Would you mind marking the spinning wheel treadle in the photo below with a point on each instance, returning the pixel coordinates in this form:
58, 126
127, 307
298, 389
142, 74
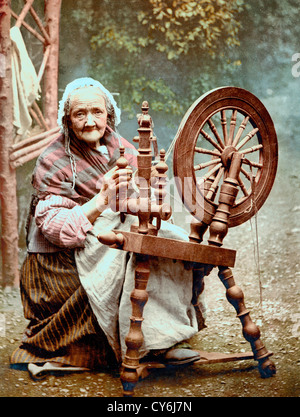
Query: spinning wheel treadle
219, 123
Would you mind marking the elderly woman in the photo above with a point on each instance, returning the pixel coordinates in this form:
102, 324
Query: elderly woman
75, 291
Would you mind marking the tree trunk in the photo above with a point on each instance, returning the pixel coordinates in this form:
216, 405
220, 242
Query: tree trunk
52, 17
8, 185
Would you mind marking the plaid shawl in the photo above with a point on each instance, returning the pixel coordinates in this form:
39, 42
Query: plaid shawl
53, 173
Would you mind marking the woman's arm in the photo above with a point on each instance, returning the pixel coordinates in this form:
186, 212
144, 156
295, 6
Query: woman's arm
65, 224
62, 221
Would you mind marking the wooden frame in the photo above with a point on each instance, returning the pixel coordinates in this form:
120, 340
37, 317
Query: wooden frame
14, 155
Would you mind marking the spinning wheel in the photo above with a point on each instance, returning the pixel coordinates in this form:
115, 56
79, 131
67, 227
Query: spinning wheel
225, 161
219, 123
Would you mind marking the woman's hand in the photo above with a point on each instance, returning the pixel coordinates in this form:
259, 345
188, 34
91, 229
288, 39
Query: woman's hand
115, 184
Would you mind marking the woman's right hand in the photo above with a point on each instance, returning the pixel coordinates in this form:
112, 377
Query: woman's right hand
114, 182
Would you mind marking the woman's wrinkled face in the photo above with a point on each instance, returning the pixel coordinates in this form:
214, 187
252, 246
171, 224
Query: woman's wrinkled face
88, 115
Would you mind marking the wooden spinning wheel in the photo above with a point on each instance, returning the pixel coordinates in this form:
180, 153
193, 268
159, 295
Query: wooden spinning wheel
225, 161
219, 123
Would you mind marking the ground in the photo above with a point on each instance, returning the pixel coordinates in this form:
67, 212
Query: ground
269, 278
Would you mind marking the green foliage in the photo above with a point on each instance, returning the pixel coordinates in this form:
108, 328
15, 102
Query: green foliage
162, 97
177, 27
157, 50
170, 52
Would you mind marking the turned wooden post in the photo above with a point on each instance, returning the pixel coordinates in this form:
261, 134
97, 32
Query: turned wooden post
234, 294
251, 331
144, 160
153, 139
228, 192
197, 231
139, 296
122, 163
160, 186
161, 168
135, 338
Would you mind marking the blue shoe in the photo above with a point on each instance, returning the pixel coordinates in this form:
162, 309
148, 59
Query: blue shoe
179, 356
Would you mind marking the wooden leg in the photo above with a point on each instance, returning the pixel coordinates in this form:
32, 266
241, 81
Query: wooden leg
199, 272
251, 331
135, 338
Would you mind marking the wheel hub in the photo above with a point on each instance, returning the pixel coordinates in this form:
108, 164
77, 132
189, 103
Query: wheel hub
227, 155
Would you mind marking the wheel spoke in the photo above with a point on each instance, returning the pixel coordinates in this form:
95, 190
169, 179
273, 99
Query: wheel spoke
247, 174
207, 164
252, 149
232, 126
253, 164
224, 126
242, 185
214, 185
210, 173
210, 140
207, 151
240, 131
247, 138
216, 133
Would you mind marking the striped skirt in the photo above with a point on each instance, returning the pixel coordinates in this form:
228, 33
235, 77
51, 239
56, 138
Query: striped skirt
62, 327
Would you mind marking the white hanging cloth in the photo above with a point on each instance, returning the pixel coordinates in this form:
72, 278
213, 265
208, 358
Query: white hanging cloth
25, 84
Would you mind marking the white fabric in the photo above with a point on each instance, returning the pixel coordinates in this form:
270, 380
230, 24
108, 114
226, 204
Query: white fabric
107, 276
25, 85
103, 149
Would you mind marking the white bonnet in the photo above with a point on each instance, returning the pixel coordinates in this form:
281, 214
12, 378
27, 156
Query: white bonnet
85, 82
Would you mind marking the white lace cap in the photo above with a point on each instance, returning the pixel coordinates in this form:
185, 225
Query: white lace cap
85, 82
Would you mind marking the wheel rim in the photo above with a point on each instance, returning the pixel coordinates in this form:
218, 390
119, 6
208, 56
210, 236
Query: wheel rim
222, 121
